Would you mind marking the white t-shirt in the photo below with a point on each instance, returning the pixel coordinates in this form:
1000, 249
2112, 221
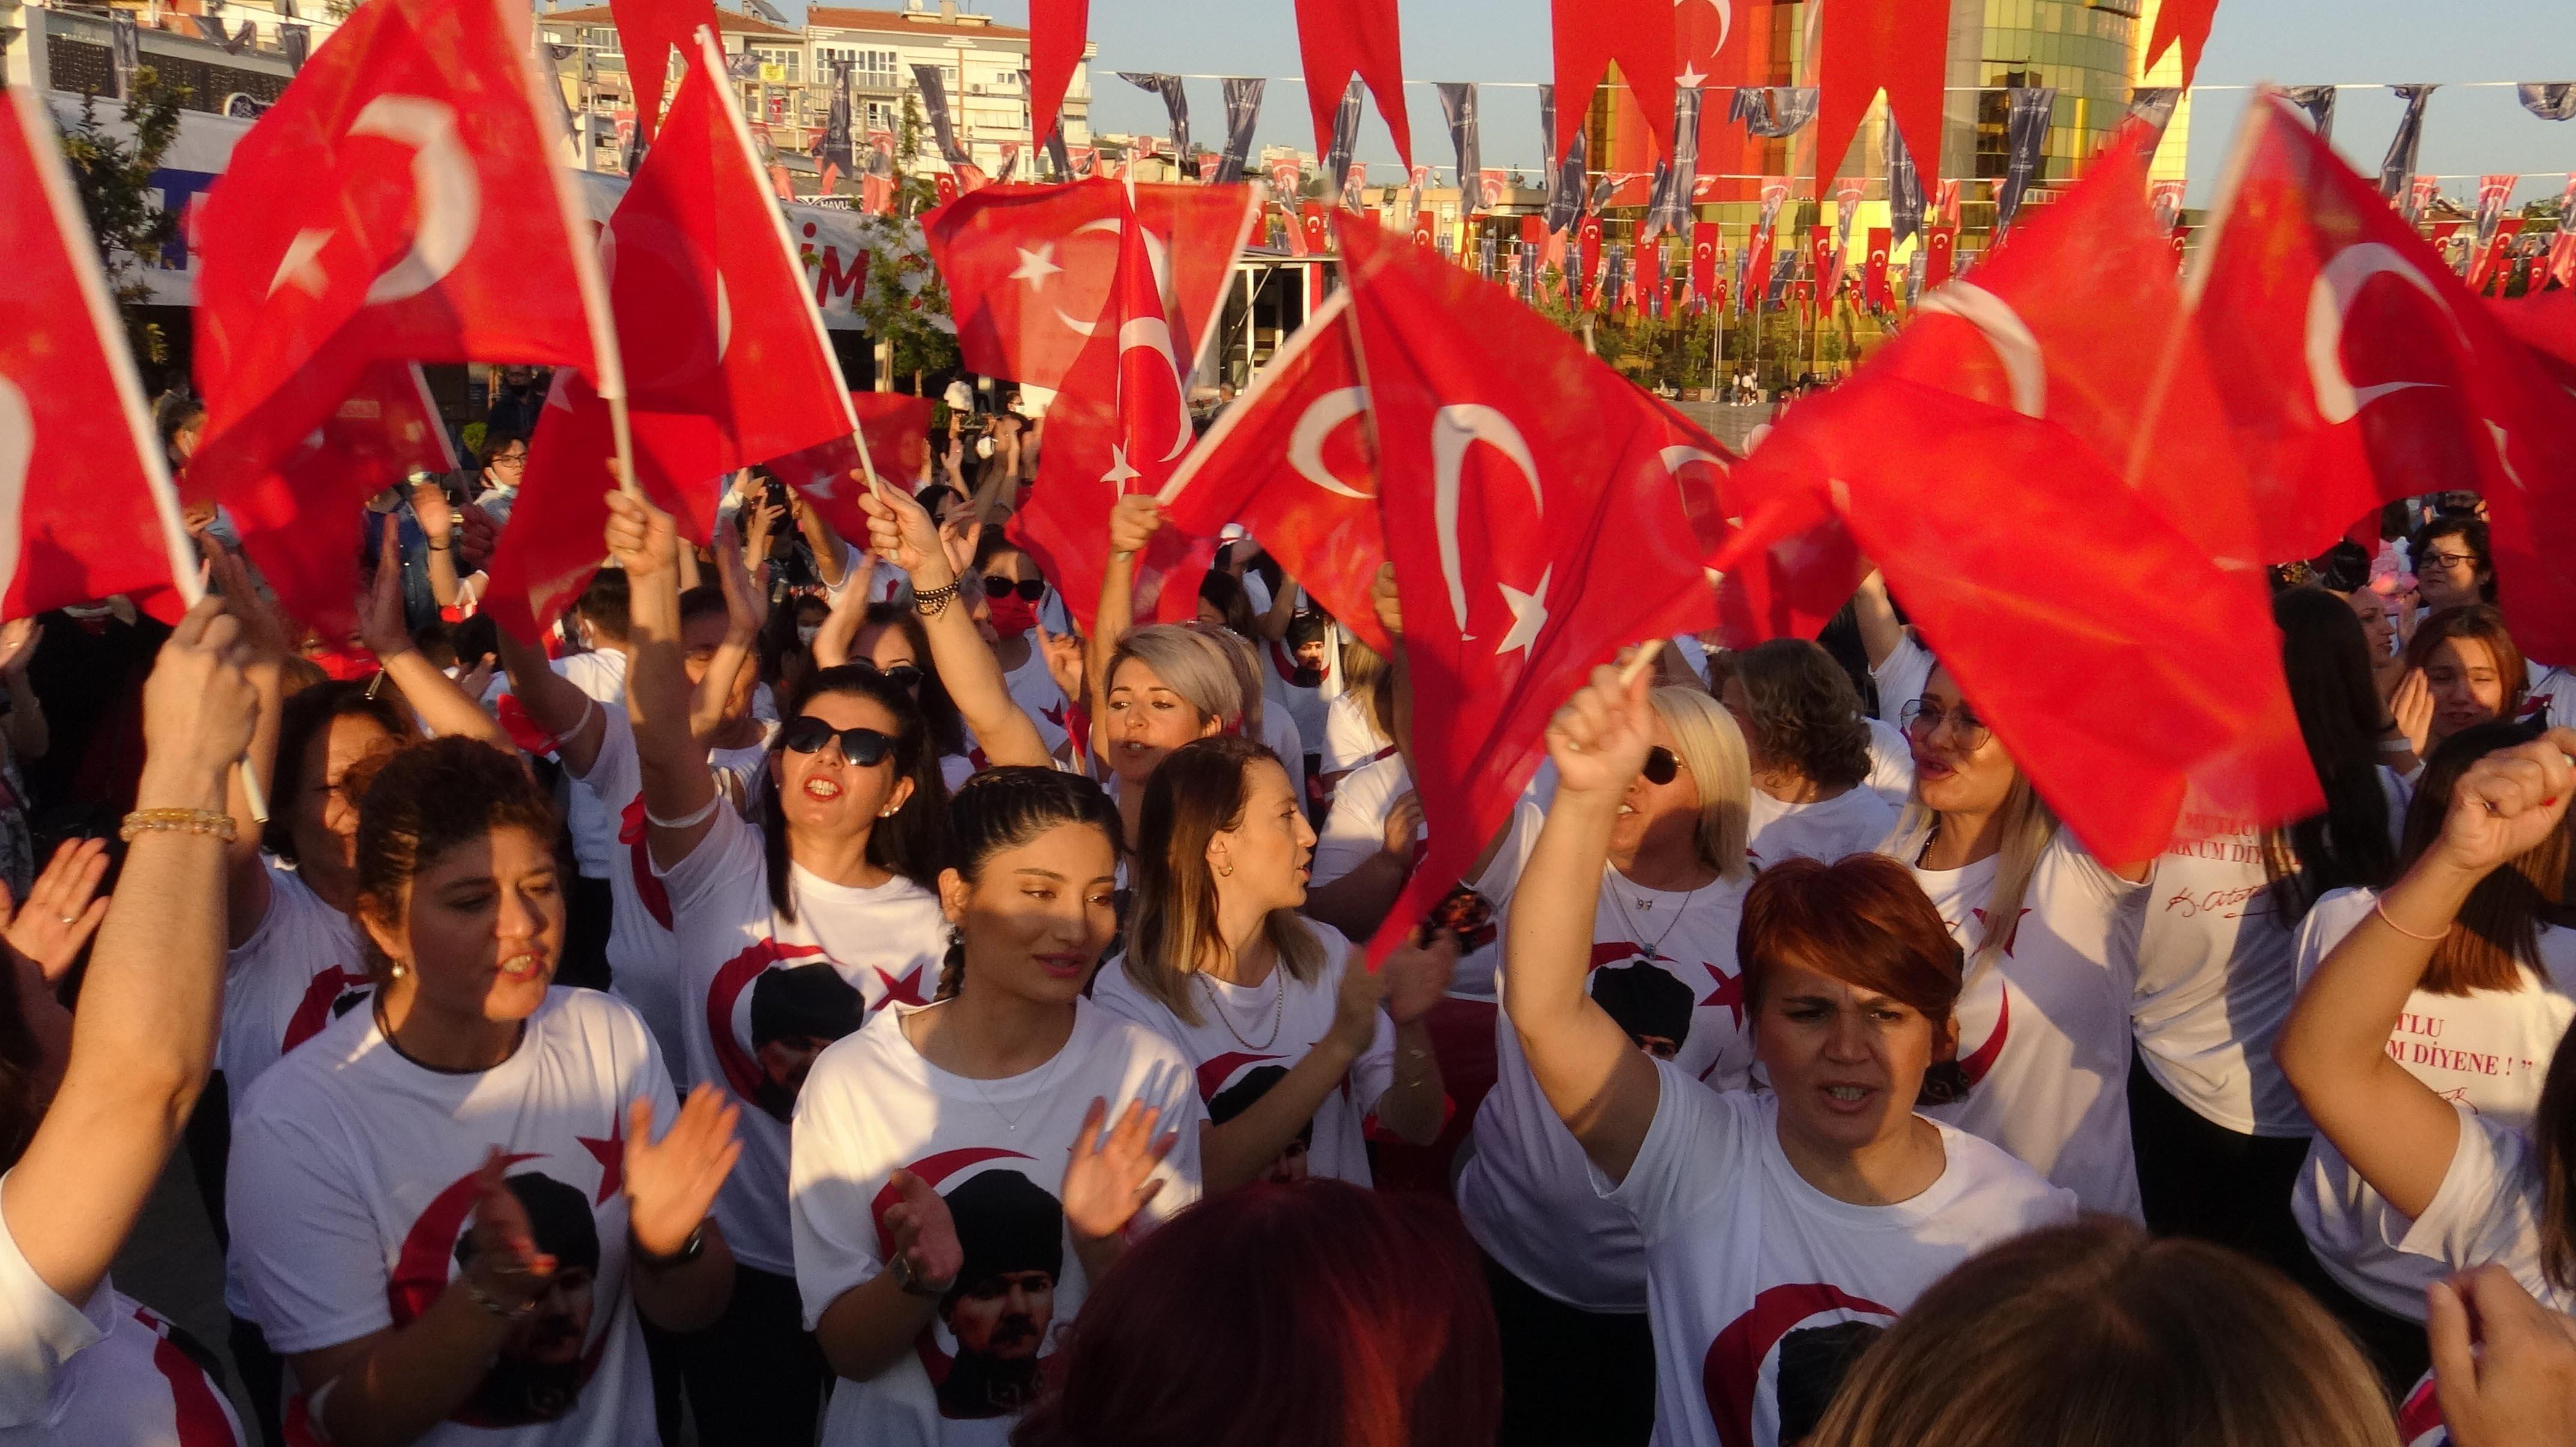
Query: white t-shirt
1855, 821
1035, 691
1891, 763
1279, 735
1350, 735
1302, 703
299, 971
2487, 1212
1901, 677
602, 675
1356, 829
757, 1012
113, 1373
1244, 1032
1744, 1260
643, 962
996, 1149
1527, 1193
2551, 697
2487, 1052
352, 1185
2044, 1026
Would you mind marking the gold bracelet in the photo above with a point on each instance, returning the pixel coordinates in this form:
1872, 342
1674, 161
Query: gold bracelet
177, 821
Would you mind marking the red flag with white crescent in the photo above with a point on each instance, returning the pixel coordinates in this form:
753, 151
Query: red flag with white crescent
826, 475
2361, 370
1032, 270
1588, 254
400, 202
1940, 246
1291, 461
1543, 532
1703, 272
1339, 38
80, 464
1315, 223
1873, 281
649, 32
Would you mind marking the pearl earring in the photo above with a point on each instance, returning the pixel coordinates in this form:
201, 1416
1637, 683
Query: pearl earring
397, 970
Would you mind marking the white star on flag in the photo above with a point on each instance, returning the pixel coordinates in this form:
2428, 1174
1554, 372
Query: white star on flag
1690, 77
1529, 615
1119, 473
1036, 266
300, 267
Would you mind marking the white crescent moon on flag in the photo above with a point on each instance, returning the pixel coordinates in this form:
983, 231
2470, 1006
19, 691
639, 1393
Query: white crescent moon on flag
724, 319
1454, 429
2004, 330
451, 201
1306, 440
17, 454
2328, 299
1156, 256
1151, 334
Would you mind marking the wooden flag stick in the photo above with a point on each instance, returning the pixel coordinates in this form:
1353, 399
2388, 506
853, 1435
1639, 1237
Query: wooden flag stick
1639, 661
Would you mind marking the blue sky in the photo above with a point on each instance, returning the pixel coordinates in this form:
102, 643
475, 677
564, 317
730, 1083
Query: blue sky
2291, 41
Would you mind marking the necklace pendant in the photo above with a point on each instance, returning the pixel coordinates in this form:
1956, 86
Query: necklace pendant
1645, 904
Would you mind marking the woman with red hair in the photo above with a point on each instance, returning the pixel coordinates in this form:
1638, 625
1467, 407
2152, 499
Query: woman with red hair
1784, 1230
1374, 1328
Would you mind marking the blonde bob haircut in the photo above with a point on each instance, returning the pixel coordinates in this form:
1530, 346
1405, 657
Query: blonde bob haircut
1187, 663
1247, 669
2095, 1335
1712, 748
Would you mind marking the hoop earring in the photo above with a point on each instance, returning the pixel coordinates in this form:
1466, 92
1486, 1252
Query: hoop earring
1225, 871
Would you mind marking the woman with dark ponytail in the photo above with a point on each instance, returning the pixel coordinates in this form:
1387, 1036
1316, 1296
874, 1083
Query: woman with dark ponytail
954, 1193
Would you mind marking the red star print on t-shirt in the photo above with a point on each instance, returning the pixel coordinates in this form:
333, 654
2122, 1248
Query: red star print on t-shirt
611, 1155
2009, 940
1729, 992
904, 991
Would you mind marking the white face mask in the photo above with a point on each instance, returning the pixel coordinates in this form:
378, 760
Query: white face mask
805, 631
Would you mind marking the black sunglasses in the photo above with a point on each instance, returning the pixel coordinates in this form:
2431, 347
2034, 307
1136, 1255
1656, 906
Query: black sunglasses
807, 734
903, 675
997, 586
1662, 765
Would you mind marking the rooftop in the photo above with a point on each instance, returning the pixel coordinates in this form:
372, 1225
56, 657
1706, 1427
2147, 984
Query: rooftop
728, 22
910, 22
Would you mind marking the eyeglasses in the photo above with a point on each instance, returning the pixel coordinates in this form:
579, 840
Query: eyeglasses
2452, 560
997, 586
904, 676
511, 459
1662, 765
806, 734
1923, 718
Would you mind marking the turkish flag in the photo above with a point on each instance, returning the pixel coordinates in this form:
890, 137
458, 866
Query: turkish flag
1058, 31
1589, 35
2361, 370
1588, 256
1032, 269
1703, 272
1770, 582
2129, 384
1120, 425
944, 185
400, 202
86, 507
1291, 461
1757, 268
304, 525
2491, 256
2184, 21
1873, 280
897, 429
1939, 246
1864, 45
2535, 275
1315, 223
1542, 532
1336, 38
726, 359
1425, 230
648, 31
1820, 252
1710, 46
2546, 327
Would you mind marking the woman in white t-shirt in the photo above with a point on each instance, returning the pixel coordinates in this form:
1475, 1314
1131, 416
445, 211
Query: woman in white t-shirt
2493, 1003
1780, 1230
1158, 688
443, 1205
2475, 1190
90, 1106
1810, 754
1273, 728
1294, 1039
954, 1194
2462, 669
2219, 1135
2041, 1066
792, 925
1567, 1264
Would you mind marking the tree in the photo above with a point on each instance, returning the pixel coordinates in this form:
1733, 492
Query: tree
114, 179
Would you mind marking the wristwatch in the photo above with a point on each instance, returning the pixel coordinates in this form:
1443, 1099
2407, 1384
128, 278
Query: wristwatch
690, 1250
910, 1280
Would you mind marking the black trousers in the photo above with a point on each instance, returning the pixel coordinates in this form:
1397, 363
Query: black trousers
588, 912
1570, 1375
756, 1377
263, 1375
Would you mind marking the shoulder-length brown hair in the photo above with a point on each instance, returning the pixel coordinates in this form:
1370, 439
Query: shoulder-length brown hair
2497, 934
2484, 623
2094, 1333
1197, 793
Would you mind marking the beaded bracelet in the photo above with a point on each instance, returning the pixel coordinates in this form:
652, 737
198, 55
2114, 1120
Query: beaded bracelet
177, 821
931, 602
486, 1301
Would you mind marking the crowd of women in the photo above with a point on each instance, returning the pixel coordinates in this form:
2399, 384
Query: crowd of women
819, 997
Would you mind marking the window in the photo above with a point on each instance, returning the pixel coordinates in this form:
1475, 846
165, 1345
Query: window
870, 69
787, 60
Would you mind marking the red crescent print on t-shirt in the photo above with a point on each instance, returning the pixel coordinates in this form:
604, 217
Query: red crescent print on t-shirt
648, 885
421, 1270
954, 1168
743, 1073
932, 1170
2419, 1418
198, 1414
1217, 1072
1734, 1368
1613, 952
1976, 1063
321, 1004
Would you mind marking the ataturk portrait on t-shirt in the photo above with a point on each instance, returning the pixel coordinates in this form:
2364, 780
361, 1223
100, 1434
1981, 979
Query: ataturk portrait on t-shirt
1648, 1003
1001, 1311
796, 1013
542, 1364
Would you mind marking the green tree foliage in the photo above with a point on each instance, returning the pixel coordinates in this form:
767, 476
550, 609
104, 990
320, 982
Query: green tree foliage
113, 175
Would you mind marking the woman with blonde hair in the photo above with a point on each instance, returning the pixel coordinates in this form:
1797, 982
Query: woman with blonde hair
1273, 727
2093, 1333
1668, 905
1272, 1008
1810, 753
1162, 686
2041, 1064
